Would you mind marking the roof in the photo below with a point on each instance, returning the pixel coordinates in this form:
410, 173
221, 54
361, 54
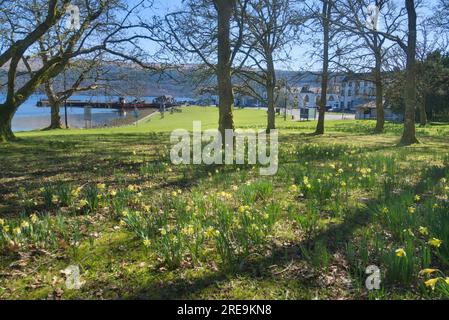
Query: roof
358, 76
368, 105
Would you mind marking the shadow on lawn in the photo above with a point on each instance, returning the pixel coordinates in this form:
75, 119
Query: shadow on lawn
335, 238
33, 162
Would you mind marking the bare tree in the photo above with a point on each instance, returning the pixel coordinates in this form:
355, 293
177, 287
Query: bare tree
325, 20
272, 27
441, 16
83, 71
96, 17
409, 135
210, 32
224, 64
407, 41
14, 53
50, 45
368, 49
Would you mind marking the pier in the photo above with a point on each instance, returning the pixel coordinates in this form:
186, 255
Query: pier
121, 104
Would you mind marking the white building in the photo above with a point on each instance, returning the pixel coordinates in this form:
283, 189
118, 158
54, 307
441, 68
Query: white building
368, 111
356, 91
310, 98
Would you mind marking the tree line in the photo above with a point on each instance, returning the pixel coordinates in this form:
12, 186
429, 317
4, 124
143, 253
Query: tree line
399, 45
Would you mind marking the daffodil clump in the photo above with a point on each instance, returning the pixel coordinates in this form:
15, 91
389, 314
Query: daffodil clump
36, 231
435, 281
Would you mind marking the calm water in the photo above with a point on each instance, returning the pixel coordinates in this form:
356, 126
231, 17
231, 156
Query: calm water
29, 117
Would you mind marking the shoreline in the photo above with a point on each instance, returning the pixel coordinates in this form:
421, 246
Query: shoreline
76, 121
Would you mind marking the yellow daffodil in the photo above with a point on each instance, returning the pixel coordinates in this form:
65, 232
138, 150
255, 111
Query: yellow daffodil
385, 210
122, 223
188, 231
147, 242
83, 203
417, 198
17, 231
435, 242
2, 222
34, 218
431, 283
411, 210
163, 231
424, 231
210, 232
293, 188
446, 280
400, 253
113, 193
125, 213
75, 192
174, 194
428, 271
101, 186
25, 224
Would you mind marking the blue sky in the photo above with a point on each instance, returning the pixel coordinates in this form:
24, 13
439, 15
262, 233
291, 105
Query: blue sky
299, 54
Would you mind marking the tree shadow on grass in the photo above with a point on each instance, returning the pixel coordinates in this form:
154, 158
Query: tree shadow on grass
335, 237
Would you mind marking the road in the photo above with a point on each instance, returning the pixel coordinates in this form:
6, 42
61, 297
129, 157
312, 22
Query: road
329, 115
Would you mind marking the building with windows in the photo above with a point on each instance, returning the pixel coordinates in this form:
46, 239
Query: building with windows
345, 92
356, 91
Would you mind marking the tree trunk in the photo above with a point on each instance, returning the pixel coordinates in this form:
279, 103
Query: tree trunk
55, 105
409, 135
6, 115
271, 123
380, 115
380, 112
270, 85
423, 112
325, 76
224, 68
55, 116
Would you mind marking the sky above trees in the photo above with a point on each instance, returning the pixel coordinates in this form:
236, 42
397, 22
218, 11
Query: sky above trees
300, 53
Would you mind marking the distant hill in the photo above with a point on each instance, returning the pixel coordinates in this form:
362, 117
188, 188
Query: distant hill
131, 80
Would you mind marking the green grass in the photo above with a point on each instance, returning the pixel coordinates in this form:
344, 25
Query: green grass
339, 203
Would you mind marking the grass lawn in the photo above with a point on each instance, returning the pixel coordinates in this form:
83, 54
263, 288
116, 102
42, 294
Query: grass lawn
110, 202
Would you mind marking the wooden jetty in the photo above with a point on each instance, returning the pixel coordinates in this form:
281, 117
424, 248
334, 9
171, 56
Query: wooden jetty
121, 104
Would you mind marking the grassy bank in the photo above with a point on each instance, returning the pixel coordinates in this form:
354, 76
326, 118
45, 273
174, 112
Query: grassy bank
109, 201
